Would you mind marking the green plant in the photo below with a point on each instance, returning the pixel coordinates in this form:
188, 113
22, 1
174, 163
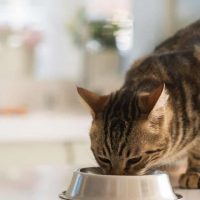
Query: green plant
104, 32
82, 30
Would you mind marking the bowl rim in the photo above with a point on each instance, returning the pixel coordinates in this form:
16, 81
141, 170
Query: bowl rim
160, 173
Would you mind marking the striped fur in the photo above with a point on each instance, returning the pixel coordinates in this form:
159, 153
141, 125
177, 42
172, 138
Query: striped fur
155, 116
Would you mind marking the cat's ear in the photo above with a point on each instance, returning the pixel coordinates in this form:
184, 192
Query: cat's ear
154, 100
94, 102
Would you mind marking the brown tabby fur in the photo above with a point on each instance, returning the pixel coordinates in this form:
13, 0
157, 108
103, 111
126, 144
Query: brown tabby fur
155, 116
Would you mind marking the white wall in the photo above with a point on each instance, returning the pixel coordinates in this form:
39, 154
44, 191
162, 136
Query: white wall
156, 20
186, 12
151, 25
57, 56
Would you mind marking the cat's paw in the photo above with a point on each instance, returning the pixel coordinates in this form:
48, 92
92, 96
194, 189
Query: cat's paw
190, 180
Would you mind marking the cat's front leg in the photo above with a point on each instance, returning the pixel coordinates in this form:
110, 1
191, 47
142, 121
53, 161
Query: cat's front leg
191, 179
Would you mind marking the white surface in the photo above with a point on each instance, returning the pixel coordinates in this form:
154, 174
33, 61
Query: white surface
189, 194
45, 139
44, 127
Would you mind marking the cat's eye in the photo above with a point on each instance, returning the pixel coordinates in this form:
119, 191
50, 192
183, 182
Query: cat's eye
133, 161
153, 151
104, 160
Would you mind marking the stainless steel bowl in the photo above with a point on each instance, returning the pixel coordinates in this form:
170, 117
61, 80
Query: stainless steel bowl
90, 184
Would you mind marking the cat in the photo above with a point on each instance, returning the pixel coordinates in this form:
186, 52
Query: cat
155, 116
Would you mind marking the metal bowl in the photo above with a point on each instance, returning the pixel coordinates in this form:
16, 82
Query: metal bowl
90, 184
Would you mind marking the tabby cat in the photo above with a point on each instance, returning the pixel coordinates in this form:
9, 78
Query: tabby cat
155, 116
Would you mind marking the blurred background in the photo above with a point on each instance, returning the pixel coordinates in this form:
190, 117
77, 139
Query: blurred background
47, 47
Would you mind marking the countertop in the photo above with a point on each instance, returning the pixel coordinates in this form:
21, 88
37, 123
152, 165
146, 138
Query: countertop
189, 194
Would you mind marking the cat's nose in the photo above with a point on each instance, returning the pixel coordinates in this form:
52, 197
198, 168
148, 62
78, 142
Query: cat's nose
117, 171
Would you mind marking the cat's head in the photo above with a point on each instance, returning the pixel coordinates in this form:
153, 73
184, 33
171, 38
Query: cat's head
129, 133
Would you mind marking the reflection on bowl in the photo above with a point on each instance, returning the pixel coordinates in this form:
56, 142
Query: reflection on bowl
92, 170
91, 184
